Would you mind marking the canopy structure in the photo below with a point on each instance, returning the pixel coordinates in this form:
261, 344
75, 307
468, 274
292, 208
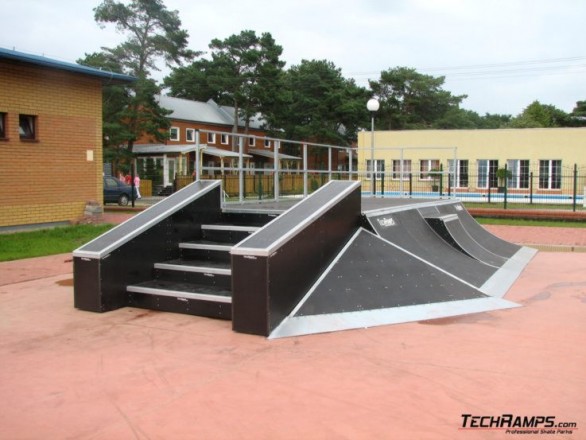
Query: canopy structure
270, 154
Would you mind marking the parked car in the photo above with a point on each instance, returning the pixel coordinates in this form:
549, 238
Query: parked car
116, 191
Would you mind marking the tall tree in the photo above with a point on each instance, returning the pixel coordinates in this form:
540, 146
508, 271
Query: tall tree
316, 102
411, 100
458, 118
578, 115
242, 72
537, 115
154, 33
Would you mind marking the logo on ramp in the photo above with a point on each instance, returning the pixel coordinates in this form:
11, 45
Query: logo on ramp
386, 222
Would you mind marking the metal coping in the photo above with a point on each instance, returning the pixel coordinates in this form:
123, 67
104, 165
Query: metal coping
123, 233
416, 205
443, 217
265, 241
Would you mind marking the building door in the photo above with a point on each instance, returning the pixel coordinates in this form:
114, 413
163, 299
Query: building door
170, 174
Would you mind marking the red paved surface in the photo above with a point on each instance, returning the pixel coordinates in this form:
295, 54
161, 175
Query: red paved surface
540, 235
138, 374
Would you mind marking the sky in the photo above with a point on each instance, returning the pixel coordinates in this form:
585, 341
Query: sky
502, 54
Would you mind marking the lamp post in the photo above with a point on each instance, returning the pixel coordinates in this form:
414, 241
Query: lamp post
372, 105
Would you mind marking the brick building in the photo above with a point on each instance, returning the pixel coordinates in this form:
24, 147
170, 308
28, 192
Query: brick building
50, 138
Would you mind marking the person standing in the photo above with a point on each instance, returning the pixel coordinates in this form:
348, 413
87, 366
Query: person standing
137, 186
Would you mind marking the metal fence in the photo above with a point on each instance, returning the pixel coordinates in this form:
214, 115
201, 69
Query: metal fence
284, 168
544, 187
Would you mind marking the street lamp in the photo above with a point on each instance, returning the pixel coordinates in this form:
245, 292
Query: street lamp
372, 105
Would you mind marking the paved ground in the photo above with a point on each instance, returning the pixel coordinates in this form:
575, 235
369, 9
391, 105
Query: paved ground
138, 374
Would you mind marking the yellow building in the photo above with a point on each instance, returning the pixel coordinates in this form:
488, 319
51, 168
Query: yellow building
538, 161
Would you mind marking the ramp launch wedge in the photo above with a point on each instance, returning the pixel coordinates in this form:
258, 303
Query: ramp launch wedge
375, 282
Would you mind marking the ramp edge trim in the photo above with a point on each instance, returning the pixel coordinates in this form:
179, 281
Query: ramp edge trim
502, 280
416, 205
267, 251
80, 252
307, 325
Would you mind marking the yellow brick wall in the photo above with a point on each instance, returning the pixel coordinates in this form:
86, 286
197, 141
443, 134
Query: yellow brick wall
49, 179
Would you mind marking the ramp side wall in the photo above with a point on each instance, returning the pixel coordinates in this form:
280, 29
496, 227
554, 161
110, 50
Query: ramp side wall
100, 282
266, 288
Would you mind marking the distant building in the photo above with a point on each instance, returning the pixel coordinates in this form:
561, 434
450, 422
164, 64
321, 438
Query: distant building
50, 138
176, 156
214, 125
536, 158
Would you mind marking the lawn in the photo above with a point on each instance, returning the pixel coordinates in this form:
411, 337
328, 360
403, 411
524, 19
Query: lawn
66, 239
47, 241
526, 222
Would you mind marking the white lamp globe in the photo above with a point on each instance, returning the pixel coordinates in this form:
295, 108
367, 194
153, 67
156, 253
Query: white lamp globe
372, 105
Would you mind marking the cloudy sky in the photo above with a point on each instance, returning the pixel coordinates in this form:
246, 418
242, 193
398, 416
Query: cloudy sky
503, 54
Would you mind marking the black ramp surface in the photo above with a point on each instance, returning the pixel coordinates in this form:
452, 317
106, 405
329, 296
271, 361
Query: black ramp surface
374, 274
471, 246
488, 241
409, 230
449, 228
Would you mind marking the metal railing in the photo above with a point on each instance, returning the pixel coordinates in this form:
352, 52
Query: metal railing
286, 168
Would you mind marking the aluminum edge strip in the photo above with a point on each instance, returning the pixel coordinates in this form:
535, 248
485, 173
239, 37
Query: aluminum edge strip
502, 280
390, 210
267, 251
178, 294
306, 325
196, 269
108, 249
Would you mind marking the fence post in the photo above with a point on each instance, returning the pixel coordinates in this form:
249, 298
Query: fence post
575, 187
531, 188
441, 182
241, 190
410, 184
489, 192
305, 188
506, 186
382, 184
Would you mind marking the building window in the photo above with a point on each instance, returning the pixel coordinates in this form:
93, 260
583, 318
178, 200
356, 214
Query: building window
2, 125
519, 173
174, 134
225, 139
251, 142
190, 135
27, 125
397, 172
427, 165
251, 168
211, 138
379, 165
487, 173
267, 143
550, 174
459, 174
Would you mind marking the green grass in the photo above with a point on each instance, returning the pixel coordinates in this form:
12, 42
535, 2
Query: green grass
526, 222
48, 241
526, 206
66, 239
